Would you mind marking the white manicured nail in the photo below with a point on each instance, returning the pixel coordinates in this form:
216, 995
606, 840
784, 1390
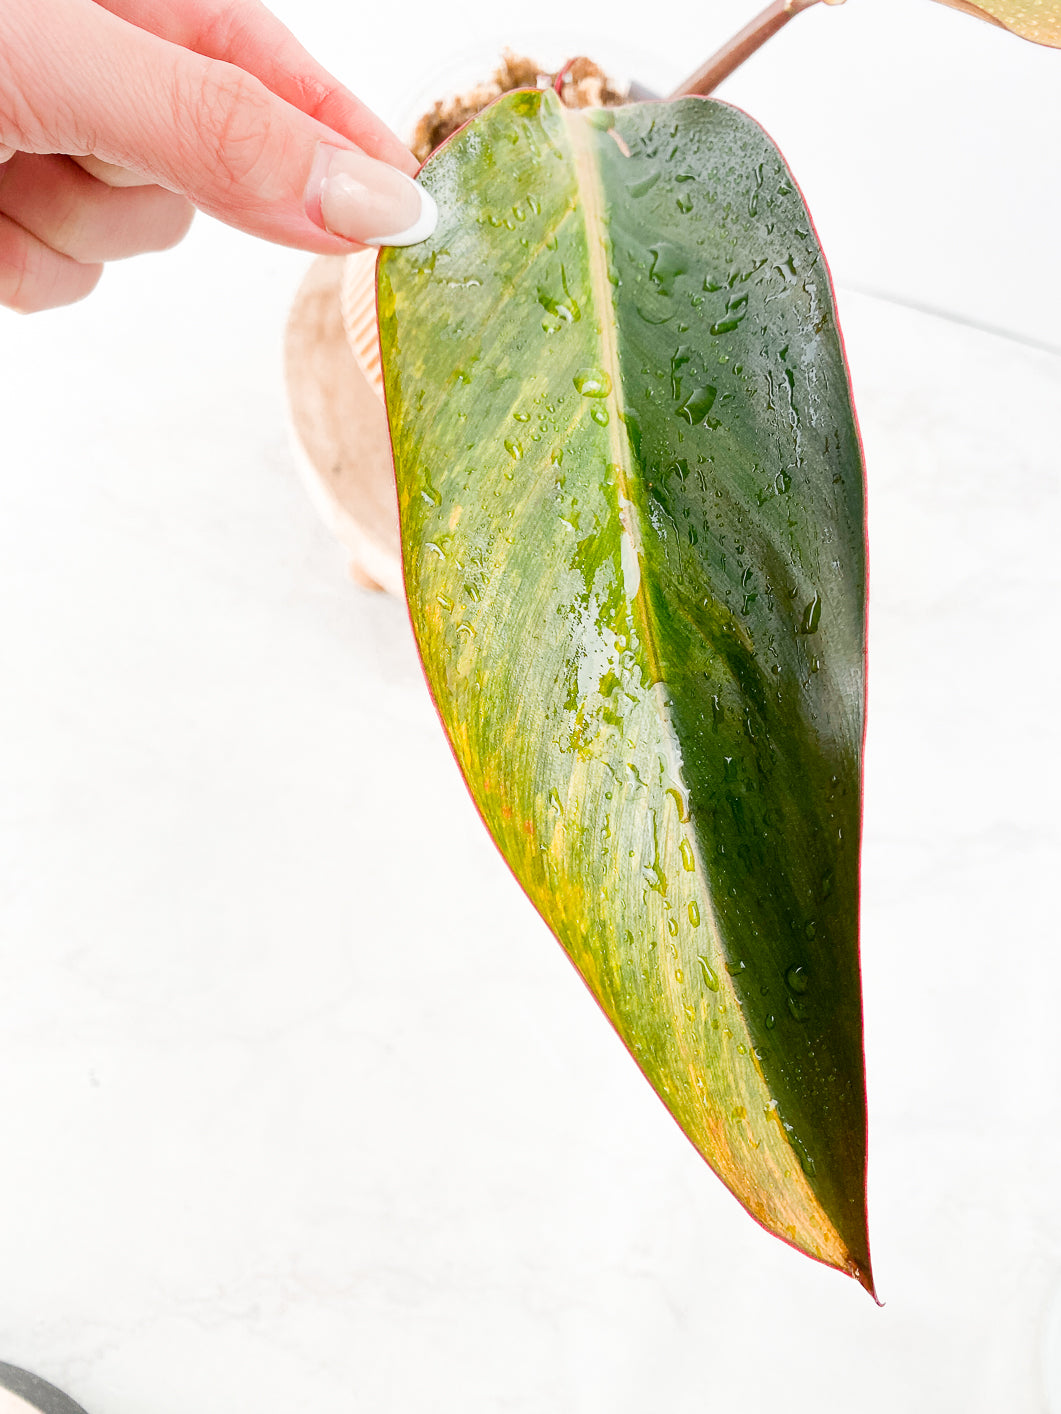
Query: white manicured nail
356, 197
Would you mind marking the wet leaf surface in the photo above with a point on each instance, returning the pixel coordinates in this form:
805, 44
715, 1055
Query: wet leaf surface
632, 518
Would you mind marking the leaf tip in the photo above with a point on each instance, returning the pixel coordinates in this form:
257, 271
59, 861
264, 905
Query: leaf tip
864, 1277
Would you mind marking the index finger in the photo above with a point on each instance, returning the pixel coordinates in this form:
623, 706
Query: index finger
245, 33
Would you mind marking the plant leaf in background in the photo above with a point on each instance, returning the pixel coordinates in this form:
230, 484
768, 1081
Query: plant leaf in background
632, 520
1037, 20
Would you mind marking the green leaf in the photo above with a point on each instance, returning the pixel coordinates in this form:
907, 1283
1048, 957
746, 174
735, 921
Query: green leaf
1037, 20
631, 500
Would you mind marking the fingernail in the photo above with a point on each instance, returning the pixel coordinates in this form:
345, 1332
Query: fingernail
6, 153
363, 200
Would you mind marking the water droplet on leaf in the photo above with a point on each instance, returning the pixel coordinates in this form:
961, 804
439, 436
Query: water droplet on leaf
797, 979
812, 615
711, 981
593, 382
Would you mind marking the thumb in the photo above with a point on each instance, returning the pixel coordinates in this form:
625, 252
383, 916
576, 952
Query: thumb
211, 131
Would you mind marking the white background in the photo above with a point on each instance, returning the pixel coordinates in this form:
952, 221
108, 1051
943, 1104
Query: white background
301, 1107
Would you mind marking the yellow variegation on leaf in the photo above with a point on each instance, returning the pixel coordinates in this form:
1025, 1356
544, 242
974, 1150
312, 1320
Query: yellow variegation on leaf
1037, 20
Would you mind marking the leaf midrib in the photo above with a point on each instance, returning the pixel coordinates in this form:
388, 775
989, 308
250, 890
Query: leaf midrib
592, 205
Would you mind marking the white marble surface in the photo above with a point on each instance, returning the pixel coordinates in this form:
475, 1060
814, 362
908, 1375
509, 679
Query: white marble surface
301, 1106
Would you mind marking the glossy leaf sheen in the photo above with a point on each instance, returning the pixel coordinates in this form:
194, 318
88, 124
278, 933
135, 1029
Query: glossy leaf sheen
631, 498
1037, 20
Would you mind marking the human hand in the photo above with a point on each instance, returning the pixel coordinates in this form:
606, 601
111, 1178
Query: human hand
118, 118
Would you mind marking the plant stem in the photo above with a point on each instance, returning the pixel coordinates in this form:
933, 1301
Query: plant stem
742, 46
